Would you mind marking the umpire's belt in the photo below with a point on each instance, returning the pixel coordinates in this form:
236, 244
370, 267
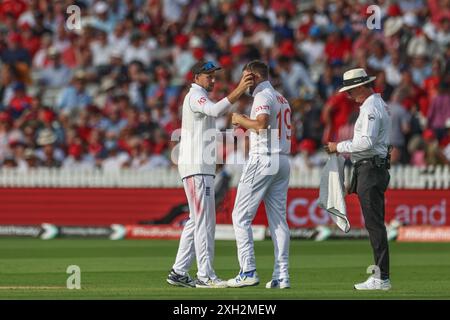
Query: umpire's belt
376, 161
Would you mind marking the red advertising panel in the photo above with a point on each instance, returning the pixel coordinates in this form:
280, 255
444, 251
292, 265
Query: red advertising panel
415, 207
95, 206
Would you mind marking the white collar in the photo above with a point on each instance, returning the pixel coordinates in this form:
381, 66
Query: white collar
260, 87
369, 98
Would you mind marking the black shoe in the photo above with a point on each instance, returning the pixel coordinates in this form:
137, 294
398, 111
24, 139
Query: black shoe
179, 280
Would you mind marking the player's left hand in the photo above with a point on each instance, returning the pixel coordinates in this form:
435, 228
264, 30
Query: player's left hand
331, 147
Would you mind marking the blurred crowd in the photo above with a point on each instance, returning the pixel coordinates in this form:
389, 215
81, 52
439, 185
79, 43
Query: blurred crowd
109, 94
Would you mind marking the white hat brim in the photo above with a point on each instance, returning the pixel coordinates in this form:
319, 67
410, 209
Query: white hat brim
356, 85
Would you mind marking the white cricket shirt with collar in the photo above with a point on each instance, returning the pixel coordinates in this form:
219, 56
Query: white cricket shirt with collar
269, 101
198, 127
372, 131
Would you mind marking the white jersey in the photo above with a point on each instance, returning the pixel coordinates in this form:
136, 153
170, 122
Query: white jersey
372, 131
198, 131
277, 139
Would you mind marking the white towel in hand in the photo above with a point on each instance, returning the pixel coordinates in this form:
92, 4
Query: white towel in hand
331, 196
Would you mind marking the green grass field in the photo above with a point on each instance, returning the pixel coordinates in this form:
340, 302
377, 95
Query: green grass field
137, 270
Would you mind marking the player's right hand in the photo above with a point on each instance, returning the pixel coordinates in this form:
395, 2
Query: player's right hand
247, 81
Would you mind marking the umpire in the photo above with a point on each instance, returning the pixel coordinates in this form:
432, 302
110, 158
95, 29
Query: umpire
369, 151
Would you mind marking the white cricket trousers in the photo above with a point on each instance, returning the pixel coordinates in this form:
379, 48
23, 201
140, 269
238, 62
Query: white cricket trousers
259, 183
197, 238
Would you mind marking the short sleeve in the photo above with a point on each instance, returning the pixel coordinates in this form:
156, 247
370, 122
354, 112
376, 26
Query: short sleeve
261, 105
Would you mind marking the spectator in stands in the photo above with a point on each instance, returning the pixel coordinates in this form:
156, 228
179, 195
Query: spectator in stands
431, 84
433, 153
282, 28
117, 70
101, 51
77, 159
378, 60
55, 74
401, 120
137, 157
137, 84
116, 159
30, 41
40, 26
74, 97
9, 162
183, 58
382, 87
20, 101
312, 48
335, 114
163, 50
305, 149
420, 69
293, 77
30, 161
445, 141
173, 10
146, 125
337, 47
5, 127
392, 33
120, 37
48, 154
18, 153
40, 59
137, 50
15, 53
439, 111
103, 20
328, 82
95, 145
163, 89
392, 69
156, 158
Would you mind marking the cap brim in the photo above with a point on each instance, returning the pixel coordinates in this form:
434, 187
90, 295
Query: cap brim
343, 89
212, 70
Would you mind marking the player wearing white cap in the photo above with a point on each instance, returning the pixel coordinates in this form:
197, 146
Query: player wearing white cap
197, 167
265, 177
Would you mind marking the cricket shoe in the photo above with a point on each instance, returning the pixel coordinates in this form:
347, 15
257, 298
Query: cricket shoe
374, 284
244, 279
278, 284
180, 280
210, 283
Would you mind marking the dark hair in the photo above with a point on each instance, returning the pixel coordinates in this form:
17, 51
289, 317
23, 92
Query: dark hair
259, 67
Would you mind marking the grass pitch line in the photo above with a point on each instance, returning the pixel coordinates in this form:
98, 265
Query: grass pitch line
30, 288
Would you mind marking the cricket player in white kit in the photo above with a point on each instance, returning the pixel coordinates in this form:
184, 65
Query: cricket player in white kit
197, 168
265, 177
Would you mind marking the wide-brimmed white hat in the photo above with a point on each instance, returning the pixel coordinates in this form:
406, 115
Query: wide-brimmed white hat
46, 137
355, 78
392, 26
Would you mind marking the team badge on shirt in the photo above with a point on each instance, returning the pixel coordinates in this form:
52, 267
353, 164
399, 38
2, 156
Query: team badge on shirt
202, 100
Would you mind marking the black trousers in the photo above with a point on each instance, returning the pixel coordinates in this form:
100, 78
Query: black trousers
370, 183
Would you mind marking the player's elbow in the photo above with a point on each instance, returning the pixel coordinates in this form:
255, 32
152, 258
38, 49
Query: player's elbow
261, 124
261, 127
366, 143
